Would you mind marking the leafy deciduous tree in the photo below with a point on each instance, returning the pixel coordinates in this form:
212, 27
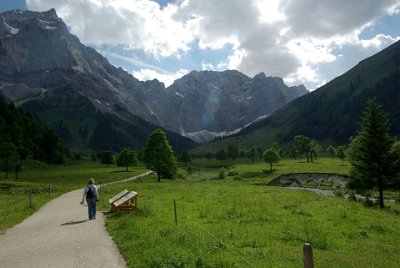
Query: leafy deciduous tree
294, 151
260, 153
159, 156
331, 150
107, 158
302, 143
9, 157
341, 152
278, 148
314, 149
252, 154
185, 157
126, 158
271, 156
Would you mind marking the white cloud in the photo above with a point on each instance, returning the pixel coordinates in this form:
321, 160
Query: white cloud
166, 78
236, 59
135, 24
270, 11
132, 60
299, 40
207, 66
327, 18
287, 38
311, 51
379, 41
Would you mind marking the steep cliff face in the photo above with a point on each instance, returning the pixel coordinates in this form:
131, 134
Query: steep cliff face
70, 87
39, 58
221, 102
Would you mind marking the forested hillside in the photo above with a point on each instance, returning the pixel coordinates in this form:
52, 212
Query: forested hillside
28, 137
85, 128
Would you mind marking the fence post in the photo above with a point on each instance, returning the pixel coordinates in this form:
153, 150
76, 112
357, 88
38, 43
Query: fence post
176, 217
30, 196
308, 256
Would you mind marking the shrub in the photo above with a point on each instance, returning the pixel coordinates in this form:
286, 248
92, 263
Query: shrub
222, 173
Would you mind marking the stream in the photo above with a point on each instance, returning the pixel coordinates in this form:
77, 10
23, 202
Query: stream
331, 193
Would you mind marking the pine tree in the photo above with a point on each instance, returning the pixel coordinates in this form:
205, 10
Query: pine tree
370, 152
159, 156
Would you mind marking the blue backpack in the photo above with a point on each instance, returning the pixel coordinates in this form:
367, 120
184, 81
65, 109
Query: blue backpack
89, 193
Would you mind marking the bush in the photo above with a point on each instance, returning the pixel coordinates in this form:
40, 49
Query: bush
189, 170
222, 174
232, 173
368, 202
352, 197
339, 193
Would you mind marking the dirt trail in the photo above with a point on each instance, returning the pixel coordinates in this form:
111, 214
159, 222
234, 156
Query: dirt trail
60, 235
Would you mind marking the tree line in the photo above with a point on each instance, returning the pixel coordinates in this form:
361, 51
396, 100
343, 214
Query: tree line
21, 137
374, 155
157, 155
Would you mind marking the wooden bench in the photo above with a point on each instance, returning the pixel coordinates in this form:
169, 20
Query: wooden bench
124, 201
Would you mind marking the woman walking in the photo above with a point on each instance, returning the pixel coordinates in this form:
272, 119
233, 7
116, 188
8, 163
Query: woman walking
91, 195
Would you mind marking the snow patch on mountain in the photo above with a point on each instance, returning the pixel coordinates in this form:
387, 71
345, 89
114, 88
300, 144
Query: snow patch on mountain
12, 30
205, 136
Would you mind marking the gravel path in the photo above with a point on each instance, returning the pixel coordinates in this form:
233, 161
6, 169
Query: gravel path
60, 235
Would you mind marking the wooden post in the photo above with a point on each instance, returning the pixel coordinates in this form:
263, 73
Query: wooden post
30, 196
176, 217
308, 256
49, 190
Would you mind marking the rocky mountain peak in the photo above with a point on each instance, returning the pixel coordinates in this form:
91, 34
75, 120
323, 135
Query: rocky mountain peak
260, 76
38, 57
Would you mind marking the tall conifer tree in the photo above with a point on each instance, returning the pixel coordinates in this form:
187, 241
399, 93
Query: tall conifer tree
370, 152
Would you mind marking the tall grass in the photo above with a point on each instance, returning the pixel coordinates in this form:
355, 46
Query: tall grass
234, 223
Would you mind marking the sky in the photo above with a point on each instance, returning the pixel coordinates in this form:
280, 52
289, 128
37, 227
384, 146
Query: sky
306, 42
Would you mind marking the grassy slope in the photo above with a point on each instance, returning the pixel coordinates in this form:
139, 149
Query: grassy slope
14, 196
235, 223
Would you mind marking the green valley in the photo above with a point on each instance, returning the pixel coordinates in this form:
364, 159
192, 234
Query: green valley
222, 222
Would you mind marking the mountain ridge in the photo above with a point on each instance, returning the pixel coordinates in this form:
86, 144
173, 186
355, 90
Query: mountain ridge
331, 113
38, 57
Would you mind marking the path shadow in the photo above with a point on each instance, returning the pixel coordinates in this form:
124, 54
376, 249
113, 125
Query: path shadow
73, 222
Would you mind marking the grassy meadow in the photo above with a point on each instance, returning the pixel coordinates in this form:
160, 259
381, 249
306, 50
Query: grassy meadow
235, 222
40, 178
231, 222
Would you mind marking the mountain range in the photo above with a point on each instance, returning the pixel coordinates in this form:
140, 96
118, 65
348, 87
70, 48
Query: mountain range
91, 104
331, 114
